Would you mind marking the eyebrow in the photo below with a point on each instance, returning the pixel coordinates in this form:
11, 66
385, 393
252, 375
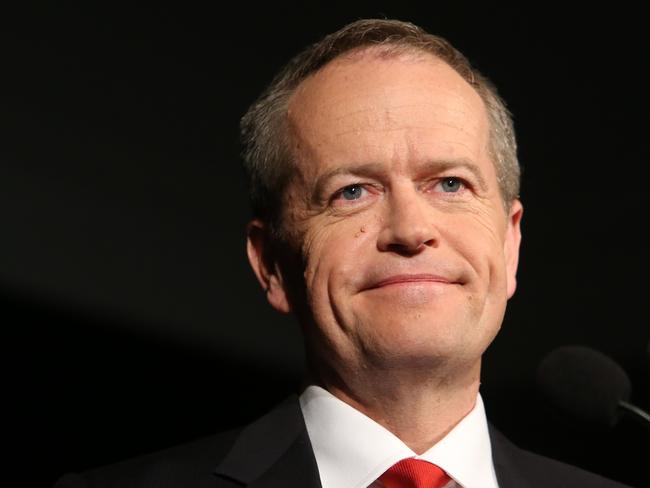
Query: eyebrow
374, 169
366, 169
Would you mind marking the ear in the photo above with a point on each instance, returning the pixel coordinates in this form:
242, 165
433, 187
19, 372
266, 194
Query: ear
511, 245
262, 258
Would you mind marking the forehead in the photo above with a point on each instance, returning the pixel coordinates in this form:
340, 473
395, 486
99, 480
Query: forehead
368, 108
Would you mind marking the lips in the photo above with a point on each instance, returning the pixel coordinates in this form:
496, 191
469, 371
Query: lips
410, 278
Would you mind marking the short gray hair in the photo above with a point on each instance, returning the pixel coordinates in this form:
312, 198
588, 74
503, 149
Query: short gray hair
264, 131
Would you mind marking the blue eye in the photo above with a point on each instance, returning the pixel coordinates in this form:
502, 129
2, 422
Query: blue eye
352, 192
451, 184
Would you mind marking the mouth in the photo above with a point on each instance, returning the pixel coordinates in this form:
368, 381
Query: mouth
405, 279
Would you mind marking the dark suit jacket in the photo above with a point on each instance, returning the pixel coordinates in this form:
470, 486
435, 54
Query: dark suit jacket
275, 452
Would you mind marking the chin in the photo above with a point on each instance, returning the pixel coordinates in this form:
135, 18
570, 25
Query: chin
406, 358
438, 339
432, 324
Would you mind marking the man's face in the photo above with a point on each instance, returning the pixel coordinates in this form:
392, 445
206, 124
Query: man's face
408, 255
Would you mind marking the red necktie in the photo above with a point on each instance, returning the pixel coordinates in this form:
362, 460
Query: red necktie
414, 473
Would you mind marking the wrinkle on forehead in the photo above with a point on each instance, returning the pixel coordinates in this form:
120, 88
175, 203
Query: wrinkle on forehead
387, 105
381, 109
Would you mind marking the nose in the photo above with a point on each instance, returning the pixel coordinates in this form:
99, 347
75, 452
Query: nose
409, 227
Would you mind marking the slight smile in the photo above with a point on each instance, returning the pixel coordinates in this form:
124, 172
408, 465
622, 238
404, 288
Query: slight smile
411, 278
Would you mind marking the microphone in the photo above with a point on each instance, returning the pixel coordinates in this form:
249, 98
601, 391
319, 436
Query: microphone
588, 385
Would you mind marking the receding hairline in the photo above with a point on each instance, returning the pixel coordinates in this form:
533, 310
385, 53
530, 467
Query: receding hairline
389, 49
384, 51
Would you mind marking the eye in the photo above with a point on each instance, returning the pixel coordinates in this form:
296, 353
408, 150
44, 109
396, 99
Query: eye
350, 192
451, 184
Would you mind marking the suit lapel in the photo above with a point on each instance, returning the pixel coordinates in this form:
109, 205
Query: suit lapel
274, 451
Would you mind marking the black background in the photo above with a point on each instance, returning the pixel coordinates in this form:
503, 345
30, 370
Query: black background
131, 319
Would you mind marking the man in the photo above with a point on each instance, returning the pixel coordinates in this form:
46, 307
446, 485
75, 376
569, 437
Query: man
384, 181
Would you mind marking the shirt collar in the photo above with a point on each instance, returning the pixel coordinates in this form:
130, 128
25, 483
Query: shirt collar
352, 450
465, 453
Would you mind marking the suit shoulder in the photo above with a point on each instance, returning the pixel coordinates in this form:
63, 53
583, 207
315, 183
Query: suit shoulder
566, 475
190, 464
516, 465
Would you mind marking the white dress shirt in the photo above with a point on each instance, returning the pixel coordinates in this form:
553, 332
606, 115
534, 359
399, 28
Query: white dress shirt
352, 450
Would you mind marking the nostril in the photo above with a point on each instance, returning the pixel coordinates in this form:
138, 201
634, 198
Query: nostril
407, 249
430, 243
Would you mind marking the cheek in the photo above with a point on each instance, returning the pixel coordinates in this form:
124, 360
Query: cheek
334, 255
478, 237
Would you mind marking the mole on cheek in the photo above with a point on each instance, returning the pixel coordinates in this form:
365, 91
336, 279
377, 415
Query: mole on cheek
361, 231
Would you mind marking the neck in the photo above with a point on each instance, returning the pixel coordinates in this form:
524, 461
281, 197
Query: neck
419, 408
